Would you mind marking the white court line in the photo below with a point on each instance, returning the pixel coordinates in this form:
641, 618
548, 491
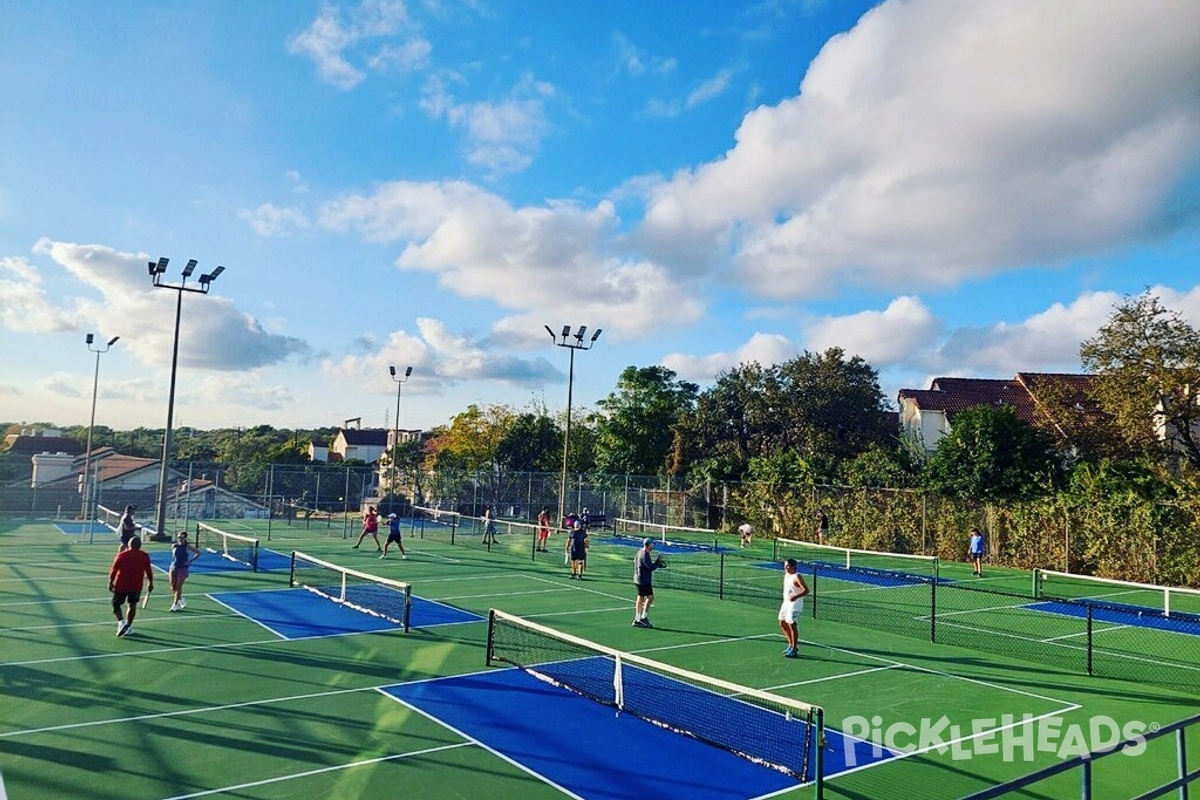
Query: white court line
105, 598
1008, 607
837, 677
1084, 633
265, 627
322, 770
185, 712
143, 616
1082, 648
508, 594
478, 743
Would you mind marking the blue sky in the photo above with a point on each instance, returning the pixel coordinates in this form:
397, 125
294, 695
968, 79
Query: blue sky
944, 188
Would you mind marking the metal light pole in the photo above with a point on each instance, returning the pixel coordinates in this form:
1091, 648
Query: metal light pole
87, 456
396, 428
156, 272
577, 344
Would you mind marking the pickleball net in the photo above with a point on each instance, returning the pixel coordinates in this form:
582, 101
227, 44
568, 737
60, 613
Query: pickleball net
765, 728
233, 546
902, 568
370, 594
1169, 600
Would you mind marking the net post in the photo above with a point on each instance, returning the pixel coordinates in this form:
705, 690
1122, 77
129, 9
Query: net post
292, 571
254, 557
721, 576
1034, 591
491, 637
819, 754
933, 606
407, 608
775, 549
1167, 602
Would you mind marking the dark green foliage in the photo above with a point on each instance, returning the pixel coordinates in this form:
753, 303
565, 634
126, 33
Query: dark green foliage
990, 454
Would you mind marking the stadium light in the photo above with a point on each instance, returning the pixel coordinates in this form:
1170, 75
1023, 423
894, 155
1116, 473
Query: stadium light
87, 456
577, 344
156, 270
396, 429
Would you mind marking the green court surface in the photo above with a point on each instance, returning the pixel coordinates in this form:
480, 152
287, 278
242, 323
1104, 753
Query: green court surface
209, 703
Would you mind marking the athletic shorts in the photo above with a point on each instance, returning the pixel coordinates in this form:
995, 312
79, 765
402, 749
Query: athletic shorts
179, 572
394, 537
645, 589
790, 609
120, 598
578, 555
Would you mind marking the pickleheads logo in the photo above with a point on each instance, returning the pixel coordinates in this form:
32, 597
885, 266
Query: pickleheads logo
1009, 737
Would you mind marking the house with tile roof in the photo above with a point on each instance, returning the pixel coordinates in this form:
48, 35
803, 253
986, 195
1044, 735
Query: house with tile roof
927, 415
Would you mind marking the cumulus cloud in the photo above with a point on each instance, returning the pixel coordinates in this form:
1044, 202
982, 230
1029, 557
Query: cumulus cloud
938, 141
891, 336
536, 257
328, 38
121, 301
763, 348
24, 304
441, 359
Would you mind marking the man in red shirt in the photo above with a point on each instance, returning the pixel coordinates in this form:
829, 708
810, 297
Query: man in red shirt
125, 582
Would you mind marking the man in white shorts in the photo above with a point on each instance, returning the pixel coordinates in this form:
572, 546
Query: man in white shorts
794, 589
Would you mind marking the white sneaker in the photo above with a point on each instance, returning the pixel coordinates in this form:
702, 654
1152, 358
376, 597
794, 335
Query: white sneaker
182, 602
174, 607
381, 558
403, 557
123, 628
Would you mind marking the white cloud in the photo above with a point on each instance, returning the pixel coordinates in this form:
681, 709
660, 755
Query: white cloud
271, 220
763, 348
24, 304
708, 90
885, 337
937, 141
501, 137
117, 299
327, 39
440, 359
542, 257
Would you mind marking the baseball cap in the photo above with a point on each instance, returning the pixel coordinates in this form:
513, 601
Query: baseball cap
391, 516
645, 542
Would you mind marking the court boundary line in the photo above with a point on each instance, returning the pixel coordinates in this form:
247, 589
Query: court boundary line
477, 743
1083, 648
320, 771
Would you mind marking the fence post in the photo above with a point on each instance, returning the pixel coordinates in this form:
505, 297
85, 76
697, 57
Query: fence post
1089, 638
933, 607
813, 591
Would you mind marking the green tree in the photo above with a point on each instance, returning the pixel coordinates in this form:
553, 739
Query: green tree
826, 407
1146, 361
532, 443
635, 428
990, 454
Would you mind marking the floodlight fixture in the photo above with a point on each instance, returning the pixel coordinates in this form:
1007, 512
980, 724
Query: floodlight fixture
396, 428
156, 272
88, 488
577, 344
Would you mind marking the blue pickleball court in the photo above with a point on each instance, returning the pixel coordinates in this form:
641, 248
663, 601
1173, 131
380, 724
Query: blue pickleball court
589, 750
301, 614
